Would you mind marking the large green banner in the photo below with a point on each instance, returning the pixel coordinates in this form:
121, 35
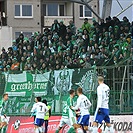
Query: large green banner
53, 86
24, 84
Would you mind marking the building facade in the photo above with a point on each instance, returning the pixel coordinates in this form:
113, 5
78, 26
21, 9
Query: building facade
28, 16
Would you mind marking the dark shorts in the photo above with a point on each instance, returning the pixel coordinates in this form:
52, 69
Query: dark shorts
83, 120
102, 116
39, 122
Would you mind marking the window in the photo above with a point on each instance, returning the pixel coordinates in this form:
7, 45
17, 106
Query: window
61, 10
53, 9
17, 10
26, 34
85, 12
23, 11
26, 10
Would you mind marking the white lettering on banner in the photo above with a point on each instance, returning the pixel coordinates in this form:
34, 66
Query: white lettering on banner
52, 127
26, 130
28, 86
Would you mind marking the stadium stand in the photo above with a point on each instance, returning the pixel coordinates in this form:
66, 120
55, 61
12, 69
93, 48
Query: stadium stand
101, 44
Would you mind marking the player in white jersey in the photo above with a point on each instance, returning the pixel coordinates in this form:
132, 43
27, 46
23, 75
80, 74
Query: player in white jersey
102, 111
83, 104
40, 109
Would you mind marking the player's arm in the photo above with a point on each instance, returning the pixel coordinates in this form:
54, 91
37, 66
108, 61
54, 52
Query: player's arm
45, 108
33, 110
4, 109
77, 105
89, 103
50, 112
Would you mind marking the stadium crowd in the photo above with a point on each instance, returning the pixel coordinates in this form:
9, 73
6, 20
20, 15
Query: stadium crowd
100, 44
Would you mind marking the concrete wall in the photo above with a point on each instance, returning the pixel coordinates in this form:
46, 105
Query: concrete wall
69, 9
79, 21
34, 24
24, 24
5, 37
68, 6
48, 20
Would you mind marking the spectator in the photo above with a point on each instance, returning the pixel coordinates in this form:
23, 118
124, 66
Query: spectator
28, 64
55, 26
86, 25
72, 27
20, 39
15, 65
104, 43
22, 63
62, 30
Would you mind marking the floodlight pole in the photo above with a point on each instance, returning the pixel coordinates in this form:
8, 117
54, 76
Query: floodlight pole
86, 4
106, 11
124, 10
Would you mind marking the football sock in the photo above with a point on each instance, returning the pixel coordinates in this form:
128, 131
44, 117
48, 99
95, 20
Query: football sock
111, 129
36, 130
79, 130
90, 129
57, 131
3, 130
95, 129
84, 131
106, 129
71, 130
40, 129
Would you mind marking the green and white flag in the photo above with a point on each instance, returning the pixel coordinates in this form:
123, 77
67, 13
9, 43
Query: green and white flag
63, 80
25, 83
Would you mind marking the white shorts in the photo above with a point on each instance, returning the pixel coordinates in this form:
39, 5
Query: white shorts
68, 121
64, 121
4, 119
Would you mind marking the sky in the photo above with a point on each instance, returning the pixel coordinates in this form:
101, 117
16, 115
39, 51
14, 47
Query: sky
116, 9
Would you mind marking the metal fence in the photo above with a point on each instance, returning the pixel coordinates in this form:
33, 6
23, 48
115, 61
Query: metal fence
119, 79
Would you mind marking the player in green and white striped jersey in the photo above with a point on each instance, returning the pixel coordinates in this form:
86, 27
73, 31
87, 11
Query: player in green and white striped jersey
3, 113
68, 116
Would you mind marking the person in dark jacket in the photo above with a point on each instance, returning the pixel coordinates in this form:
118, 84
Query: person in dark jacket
62, 30
47, 116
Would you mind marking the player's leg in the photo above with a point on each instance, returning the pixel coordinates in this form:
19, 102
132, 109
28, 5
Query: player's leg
78, 126
71, 130
98, 118
37, 125
58, 130
61, 124
107, 121
46, 126
86, 123
36, 129
4, 123
34, 118
41, 129
72, 120
95, 127
3, 129
70, 123
109, 128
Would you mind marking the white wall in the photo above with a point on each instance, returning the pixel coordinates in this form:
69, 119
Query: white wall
5, 37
